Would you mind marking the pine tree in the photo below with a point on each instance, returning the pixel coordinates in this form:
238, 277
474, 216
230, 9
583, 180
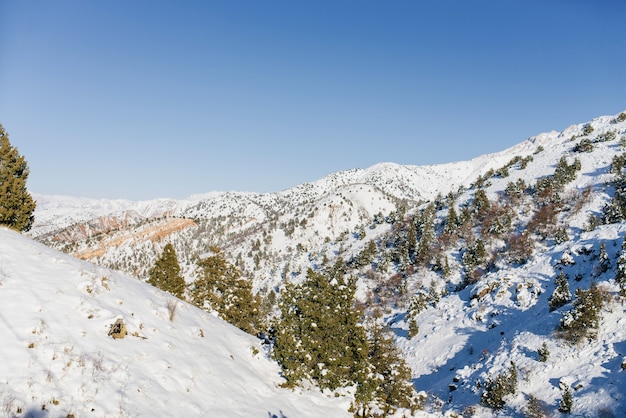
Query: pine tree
388, 383
561, 295
604, 263
620, 276
496, 389
480, 204
452, 220
16, 203
165, 274
543, 352
474, 255
318, 337
426, 224
583, 320
567, 402
220, 287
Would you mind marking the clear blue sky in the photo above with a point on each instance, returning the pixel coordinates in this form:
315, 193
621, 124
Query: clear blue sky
141, 99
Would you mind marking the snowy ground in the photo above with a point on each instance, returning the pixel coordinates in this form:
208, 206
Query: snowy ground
57, 357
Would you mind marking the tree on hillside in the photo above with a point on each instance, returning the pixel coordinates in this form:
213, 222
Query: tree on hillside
583, 321
620, 276
318, 336
165, 274
220, 287
426, 225
561, 295
385, 383
16, 203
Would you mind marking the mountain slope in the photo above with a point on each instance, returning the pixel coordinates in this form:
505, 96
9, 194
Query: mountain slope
270, 233
55, 316
473, 319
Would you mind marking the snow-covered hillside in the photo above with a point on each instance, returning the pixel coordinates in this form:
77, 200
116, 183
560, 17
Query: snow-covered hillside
476, 318
271, 234
58, 359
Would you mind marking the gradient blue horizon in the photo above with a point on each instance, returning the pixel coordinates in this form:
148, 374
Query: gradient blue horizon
146, 99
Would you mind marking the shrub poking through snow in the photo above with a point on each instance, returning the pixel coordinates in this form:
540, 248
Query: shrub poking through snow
500, 386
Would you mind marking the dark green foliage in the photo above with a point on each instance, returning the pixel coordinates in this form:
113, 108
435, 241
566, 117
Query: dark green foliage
567, 402
220, 287
318, 337
426, 228
620, 276
535, 409
496, 389
587, 129
515, 190
413, 328
474, 255
604, 264
165, 274
607, 136
615, 210
543, 352
16, 203
480, 204
387, 385
583, 321
452, 220
565, 173
560, 236
621, 117
561, 295
618, 163
585, 145
367, 254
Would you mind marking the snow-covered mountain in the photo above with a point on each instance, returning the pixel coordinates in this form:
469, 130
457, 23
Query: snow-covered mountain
128, 235
472, 327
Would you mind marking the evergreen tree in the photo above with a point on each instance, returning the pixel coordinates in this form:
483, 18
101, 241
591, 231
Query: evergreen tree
496, 389
603, 259
480, 203
620, 277
16, 203
452, 220
427, 233
474, 255
388, 383
567, 402
560, 236
561, 295
318, 336
543, 352
583, 320
165, 274
220, 287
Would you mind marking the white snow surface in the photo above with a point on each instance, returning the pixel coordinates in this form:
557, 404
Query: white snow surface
57, 357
